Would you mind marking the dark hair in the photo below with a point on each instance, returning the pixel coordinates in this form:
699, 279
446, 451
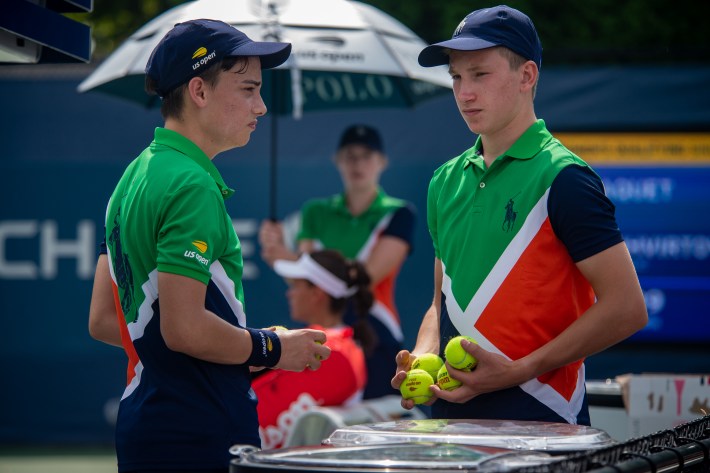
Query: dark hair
354, 274
172, 104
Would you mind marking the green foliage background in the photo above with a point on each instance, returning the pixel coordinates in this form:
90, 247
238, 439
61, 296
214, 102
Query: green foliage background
572, 31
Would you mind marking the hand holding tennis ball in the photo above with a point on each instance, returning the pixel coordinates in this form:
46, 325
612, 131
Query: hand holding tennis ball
457, 356
281, 328
416, 386
445, 381
429, 362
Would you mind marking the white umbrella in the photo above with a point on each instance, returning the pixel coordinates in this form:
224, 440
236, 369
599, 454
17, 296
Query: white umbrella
346, 54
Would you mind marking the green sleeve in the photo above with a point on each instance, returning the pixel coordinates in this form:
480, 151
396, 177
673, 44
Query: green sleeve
308, 229
191, 232
432, 198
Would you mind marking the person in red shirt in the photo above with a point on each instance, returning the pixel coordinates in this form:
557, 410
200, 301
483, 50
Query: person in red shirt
320, 286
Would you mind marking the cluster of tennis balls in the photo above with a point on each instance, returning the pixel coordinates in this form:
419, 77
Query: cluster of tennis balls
429, 368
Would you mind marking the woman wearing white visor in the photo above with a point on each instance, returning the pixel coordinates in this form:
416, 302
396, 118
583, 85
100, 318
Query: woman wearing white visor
320, 286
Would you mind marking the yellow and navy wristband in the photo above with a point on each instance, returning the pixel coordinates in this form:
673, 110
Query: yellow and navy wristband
265, 348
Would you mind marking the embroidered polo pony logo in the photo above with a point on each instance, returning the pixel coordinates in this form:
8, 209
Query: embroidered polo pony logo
460, 27
510, 215
122, 269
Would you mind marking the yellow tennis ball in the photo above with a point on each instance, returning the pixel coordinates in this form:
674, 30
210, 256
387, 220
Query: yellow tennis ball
429, 362
416, 386
457, 356
445, 381
318, 357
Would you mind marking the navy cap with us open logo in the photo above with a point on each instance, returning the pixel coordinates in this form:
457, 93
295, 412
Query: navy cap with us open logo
192, 46
486, 28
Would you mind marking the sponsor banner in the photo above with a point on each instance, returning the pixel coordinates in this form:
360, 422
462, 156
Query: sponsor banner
639, 148
663, 213
676, 313
662, 254
326, 91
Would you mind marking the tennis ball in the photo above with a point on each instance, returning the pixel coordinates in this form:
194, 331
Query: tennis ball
446, 382
279, 328
416, 386
318, 357
429, 362
457, 356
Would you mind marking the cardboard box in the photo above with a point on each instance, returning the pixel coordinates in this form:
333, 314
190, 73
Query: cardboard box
656, 402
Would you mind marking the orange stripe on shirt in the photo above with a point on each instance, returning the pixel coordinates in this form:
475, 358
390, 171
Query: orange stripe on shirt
125, 338
526, 311
384, 293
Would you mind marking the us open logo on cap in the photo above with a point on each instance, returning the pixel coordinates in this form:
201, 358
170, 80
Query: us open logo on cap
460, 27
205, 59
199, 53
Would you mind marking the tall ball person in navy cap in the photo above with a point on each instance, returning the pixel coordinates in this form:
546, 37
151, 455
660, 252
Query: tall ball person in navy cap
175, 263
529, 260
364, 224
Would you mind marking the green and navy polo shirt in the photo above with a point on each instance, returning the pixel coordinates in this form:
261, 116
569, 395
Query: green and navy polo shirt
329, 223
508, 237
167, 214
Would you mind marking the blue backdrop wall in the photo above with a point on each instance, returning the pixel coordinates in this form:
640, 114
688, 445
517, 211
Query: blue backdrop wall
64, 151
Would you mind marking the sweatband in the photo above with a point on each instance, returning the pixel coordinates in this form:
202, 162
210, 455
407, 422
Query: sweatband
265, 348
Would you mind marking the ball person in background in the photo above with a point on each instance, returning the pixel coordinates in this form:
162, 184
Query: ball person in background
363, 223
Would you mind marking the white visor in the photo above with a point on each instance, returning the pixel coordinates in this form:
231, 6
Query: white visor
307, 268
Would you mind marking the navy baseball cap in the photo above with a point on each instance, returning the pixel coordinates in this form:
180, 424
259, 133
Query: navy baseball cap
361, 135
486, 28
190, 47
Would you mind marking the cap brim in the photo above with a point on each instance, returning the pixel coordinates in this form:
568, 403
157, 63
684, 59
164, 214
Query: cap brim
271, 54
290, 269
435, 55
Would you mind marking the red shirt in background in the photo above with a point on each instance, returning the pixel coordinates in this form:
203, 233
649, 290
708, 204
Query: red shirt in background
285, 395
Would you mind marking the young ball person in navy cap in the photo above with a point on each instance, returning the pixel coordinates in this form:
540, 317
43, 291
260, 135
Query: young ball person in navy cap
174, 263
366, 224
529, 260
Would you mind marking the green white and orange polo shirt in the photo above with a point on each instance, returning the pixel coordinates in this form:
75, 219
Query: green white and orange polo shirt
329, 224
167, 214
508, 237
